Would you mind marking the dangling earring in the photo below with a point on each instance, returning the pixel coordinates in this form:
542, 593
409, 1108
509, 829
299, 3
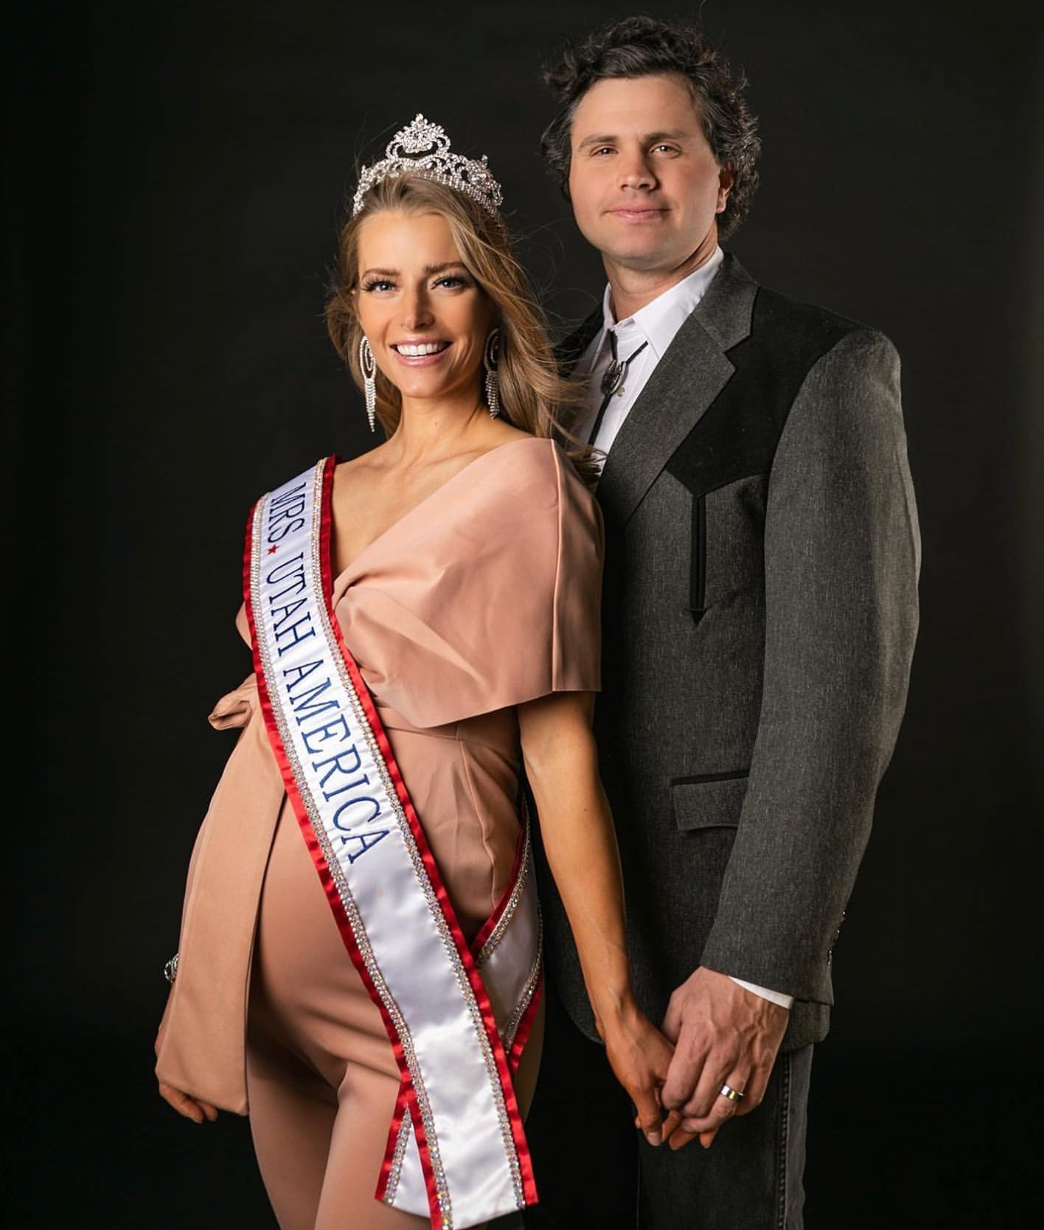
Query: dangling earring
369, 370
490, 358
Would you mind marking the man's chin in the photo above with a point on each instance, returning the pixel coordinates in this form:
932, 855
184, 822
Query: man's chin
639, 257
636, 248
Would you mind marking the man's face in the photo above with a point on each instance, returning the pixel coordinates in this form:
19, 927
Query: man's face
645, 188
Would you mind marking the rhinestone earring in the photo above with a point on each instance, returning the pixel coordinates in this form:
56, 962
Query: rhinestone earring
490, 359
369, 371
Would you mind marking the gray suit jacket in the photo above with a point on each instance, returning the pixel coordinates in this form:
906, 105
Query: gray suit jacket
759, 616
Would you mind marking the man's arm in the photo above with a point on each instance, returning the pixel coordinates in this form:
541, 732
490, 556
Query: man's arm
842, 557
841, 564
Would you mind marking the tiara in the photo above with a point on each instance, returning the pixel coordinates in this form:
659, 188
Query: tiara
422, 148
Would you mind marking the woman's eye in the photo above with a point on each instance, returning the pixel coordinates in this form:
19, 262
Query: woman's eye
377, 284
452, 280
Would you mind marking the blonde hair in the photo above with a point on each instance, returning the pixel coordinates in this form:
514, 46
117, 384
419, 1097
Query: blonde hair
535, 397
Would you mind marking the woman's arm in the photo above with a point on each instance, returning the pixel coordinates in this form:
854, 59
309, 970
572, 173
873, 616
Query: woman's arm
232, 712
561, 762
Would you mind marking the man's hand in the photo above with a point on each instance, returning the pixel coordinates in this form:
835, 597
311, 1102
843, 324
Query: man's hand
722, 1035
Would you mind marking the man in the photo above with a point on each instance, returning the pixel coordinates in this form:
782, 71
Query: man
759, 618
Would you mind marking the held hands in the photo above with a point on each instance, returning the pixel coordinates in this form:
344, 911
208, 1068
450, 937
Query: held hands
722, 1035
640, 1057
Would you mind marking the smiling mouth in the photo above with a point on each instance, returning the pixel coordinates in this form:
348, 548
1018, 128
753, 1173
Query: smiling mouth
637, 211
417, 350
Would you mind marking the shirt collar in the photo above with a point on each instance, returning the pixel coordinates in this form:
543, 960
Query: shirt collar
660, 319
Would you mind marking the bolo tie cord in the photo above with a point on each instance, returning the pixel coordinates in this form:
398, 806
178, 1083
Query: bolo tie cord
612, 381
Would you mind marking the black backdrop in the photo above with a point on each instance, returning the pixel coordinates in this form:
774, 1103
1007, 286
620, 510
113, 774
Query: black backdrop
175, 175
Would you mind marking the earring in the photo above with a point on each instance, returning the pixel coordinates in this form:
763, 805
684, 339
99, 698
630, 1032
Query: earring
490, 358
369, 370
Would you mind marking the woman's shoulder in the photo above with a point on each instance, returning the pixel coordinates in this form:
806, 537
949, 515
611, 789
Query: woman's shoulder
541, 457
529, 492
532, 479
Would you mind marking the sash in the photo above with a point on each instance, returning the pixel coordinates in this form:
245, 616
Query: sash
457, 1015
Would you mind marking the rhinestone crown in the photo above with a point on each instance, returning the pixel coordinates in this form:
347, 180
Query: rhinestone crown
422, 148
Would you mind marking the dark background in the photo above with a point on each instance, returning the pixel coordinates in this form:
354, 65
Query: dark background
175, 174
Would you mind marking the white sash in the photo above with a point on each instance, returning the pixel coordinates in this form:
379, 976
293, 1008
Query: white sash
457, 1015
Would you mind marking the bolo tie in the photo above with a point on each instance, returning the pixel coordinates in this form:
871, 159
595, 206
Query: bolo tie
612, 381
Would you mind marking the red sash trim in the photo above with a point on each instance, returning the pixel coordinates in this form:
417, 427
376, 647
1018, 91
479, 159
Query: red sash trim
407, 1096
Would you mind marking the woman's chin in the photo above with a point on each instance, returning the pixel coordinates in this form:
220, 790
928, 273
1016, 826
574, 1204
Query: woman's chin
432, 387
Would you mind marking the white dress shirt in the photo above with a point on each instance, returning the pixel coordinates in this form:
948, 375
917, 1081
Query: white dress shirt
656, 325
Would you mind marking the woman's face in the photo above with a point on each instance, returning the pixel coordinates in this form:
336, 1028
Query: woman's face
424, 315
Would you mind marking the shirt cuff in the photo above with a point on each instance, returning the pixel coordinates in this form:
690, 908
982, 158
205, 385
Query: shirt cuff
775, 997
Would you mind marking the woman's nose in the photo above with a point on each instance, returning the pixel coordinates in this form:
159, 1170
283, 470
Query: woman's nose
416, 310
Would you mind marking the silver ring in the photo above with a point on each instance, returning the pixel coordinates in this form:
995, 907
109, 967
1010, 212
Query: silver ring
733, 1095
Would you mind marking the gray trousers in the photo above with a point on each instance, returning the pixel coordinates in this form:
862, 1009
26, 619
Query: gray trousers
594, 1169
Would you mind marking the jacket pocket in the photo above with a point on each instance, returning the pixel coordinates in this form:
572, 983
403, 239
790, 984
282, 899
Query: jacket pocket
713, 800
698, 560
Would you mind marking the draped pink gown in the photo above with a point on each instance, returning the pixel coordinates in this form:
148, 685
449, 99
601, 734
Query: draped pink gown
482, 597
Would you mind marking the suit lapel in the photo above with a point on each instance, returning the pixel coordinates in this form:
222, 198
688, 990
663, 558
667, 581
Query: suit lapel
690, 375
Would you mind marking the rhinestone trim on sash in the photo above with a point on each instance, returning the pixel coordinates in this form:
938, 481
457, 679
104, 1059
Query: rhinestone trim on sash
366, 729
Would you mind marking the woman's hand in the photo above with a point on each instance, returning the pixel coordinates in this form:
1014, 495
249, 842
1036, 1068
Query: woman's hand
192, 1108
639, 1056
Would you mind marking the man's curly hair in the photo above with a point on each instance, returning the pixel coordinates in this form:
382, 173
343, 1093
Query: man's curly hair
640, 47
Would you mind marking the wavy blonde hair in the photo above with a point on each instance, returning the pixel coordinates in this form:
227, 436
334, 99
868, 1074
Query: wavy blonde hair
535, 397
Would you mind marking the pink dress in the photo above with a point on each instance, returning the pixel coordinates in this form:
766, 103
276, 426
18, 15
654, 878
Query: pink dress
482, 597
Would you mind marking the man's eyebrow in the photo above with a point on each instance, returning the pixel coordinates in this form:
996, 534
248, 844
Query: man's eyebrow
672, 134
605, 140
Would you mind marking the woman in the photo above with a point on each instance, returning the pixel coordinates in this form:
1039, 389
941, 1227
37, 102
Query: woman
424, 620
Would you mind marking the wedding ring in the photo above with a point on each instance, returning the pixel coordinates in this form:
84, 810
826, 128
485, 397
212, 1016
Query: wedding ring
733, 1095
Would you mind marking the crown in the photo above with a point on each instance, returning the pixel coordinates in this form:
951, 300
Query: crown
422, 148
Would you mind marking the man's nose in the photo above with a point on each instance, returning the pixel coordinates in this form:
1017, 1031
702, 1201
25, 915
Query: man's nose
636, 172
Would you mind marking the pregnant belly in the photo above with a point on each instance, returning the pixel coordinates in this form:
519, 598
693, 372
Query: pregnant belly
304, 986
